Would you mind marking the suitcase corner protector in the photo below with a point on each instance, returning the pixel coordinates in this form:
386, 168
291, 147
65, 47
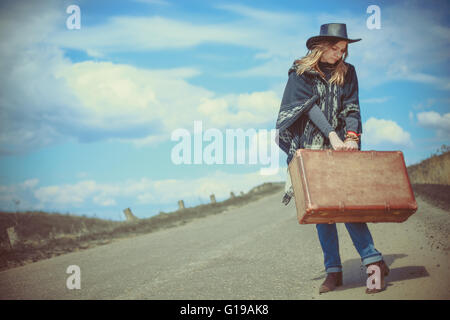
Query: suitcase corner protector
311, 208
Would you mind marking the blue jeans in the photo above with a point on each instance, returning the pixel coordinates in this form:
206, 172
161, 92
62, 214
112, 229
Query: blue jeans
362, 240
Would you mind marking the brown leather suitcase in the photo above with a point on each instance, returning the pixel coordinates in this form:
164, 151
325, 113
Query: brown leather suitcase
351, 186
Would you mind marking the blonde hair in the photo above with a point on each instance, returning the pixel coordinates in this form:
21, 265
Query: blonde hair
311, 61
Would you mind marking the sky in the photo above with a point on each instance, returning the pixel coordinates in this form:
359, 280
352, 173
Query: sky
134, 104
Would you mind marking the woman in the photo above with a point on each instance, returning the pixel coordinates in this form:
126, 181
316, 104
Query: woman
320, 110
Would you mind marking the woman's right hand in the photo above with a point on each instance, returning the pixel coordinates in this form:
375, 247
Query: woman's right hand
335, 141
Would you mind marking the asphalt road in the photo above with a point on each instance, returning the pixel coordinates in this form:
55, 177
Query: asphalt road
258, 251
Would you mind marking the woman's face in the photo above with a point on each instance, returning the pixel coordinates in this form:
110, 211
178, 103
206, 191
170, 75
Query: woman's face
334, 53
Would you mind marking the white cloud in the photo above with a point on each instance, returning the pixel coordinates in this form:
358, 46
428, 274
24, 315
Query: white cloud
94, 53
273, 34
7, 196
18, 196
380, 56
402, 71
240, 110
31, 96
104, 202
131, 104
426, 104
375, 100
380, 131
82, 175
70, 194
90, 193
219, 183
272, 67
122, 33
46, 98
436, 121
101, 100
31, 183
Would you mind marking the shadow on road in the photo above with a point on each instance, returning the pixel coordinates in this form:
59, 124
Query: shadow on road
355, 273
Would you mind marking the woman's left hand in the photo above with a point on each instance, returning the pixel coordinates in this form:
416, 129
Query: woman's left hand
350, 145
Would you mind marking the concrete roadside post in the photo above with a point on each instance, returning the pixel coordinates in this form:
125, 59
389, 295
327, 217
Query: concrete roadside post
129, 215
13, 237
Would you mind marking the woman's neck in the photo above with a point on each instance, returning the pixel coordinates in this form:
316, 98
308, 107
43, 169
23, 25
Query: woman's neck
326, 64
327, 68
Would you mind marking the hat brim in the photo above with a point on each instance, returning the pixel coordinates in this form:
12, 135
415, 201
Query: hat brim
313, 40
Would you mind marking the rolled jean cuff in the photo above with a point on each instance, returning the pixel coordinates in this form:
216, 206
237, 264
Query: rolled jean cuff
334, 269
372, 259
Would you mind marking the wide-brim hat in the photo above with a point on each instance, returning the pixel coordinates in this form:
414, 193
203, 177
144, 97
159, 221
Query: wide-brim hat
330, 31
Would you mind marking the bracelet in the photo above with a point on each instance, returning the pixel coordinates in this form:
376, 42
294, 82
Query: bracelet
346, 140
356, 139
351, 136
353, 133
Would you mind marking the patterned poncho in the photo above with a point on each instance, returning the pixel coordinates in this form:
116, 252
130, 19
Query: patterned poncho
338, 103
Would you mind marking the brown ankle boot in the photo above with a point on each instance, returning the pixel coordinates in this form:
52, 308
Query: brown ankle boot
384, 271
333, 280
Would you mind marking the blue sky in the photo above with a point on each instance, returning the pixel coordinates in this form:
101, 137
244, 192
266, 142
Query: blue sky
87, 115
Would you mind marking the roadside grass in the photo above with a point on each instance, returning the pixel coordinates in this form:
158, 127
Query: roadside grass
433, 170
430, 179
